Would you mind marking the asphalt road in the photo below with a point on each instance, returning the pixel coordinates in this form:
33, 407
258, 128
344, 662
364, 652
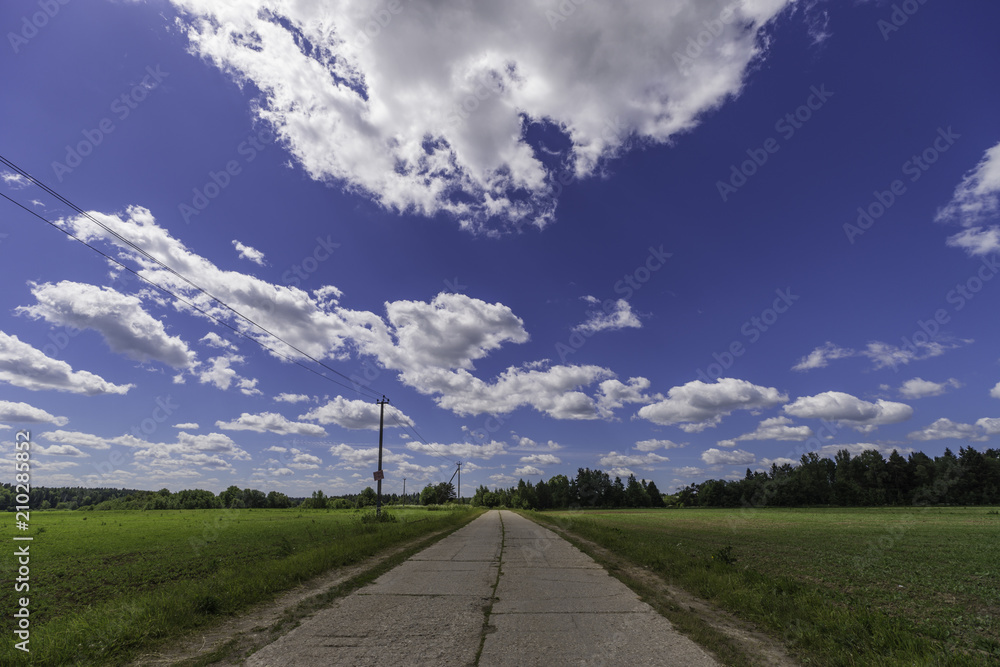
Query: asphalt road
553, 605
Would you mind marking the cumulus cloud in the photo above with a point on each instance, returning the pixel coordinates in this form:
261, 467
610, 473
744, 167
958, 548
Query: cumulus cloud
527, 444
213, 339
653, 445
248, 253
187, 426
356, 414
620, 317
945, 429
364, 457
14, 181
429, 112
60, 450
459, 450
920, 388
292, 398
25, 366
715, 457
528, 471
849, 410
432, 345
697, 405
120, 319
976, 201
882, 355
775, 428
995, 392
821, 357
270, 422
615, 460
76, 438
17, 412
540, 459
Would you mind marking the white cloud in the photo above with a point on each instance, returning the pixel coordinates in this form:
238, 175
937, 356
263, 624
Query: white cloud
120, 319
883, 355
775, 428
527, 444
60, 450
252, 254
697, 405
29, 368
271, 422
688, 471
989, 425
429, 113
821, 357
653, 445
361, 458
213, 339
188, 426
995, 392
945, 429
17, 412
356, 414
621, 317
76, 438
920, 388
14, 181
459, 450
849, 410
540, 459
292, 398
714, 457
614, 394
976, 200
614, 459
433, 345
528, 471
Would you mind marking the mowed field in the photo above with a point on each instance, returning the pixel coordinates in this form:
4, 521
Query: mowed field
886, 586
105, 584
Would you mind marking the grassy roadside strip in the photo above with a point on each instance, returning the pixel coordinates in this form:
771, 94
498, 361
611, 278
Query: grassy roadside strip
821, 625
116, 631
237, 650
687, 621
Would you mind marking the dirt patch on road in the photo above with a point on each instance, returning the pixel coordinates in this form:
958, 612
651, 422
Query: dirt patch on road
756, 647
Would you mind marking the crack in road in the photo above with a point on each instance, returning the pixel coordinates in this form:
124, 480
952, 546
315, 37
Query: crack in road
488, 608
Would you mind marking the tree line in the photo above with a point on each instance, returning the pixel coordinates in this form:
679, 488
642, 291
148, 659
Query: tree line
868, 479
88, 499
590, 488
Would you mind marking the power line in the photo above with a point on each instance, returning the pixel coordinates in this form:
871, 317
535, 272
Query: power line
144, 253
176, 296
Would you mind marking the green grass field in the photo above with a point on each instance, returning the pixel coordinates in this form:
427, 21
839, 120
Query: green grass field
899, 586
106, 584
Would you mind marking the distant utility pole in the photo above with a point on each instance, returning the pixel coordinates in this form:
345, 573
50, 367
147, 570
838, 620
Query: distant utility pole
379, 475
459, 463
404, 489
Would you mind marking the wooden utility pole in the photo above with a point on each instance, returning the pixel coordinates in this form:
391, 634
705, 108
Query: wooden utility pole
404, 491
378, 475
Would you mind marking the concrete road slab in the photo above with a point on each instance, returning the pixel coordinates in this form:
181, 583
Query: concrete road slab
553, 606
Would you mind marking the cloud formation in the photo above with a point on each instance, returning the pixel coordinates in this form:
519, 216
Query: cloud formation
426, 107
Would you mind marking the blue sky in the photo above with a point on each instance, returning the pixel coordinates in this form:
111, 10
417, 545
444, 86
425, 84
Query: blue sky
680, 239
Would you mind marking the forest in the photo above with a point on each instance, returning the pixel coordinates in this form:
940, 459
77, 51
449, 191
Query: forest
866, 480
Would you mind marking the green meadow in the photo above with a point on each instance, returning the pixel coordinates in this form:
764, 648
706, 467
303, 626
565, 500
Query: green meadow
886, 586
105, 585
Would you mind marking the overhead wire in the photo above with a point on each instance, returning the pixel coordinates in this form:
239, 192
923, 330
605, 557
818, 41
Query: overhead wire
356, 387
